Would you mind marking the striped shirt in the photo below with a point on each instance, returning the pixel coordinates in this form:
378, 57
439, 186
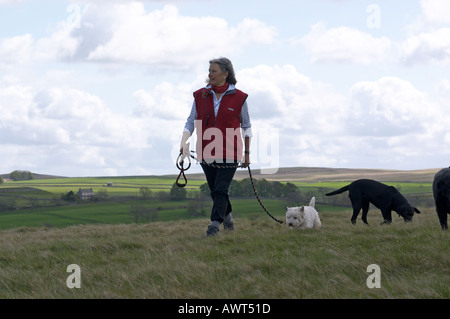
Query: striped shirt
244, 117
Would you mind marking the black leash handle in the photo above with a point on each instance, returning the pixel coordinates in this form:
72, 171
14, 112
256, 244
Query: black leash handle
180, 166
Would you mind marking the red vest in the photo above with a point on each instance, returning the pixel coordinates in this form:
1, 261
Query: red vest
220, 137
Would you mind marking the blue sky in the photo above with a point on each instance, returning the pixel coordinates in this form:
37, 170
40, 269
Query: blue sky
95, 88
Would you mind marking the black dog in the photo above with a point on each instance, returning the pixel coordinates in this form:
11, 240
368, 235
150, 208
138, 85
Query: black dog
441, 192
387, 198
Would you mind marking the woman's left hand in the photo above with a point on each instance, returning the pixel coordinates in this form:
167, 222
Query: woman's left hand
246, 161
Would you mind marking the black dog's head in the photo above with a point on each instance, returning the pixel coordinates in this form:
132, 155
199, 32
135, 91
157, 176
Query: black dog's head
407, 212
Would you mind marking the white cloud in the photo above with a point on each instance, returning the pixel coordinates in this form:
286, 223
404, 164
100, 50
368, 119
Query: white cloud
129, 34
443, 89
14, 49
26, 50
426, 47
60, 45
428, 36
379, 124
126, 33
388, 107
66, 126
436, 11
307, 114
284, 87
11, 2
55, 92
166, 101
344, 45
397, 124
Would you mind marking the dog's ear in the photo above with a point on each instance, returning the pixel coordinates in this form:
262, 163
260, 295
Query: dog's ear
416, 210
302, 211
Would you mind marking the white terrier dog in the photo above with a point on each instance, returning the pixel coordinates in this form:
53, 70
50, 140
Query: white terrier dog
304, 216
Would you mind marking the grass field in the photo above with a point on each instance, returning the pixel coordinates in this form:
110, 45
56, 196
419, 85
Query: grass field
261, 259
172, 258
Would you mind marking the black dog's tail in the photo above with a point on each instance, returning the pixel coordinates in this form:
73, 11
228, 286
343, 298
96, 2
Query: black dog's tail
340, 190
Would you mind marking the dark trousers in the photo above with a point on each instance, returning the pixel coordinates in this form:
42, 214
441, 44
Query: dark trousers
219, 180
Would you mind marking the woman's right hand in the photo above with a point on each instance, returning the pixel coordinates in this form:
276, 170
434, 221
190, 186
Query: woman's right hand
184, 147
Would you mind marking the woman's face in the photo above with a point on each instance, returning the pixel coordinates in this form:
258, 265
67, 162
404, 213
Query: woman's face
216, 76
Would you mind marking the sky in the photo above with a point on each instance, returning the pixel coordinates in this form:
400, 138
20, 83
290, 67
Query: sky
104, 88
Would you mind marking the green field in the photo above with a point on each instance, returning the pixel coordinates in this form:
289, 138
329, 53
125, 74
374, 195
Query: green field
37, 203
121, 186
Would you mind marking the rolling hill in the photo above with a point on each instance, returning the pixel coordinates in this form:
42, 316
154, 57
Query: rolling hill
320, 174
314, 174
35, 175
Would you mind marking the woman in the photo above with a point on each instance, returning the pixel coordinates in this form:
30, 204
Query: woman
219, 113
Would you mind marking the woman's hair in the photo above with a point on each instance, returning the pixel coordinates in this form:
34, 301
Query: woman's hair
226, 66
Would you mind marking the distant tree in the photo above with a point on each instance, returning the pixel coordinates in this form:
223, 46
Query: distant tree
263, 187
1, 180
289, 188
14, 176
100, 195
234, 191
70, 196
246, 188
277, 189
177, 193
145, 192
21, 175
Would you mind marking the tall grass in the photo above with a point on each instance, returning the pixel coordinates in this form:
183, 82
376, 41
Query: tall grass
261, 259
